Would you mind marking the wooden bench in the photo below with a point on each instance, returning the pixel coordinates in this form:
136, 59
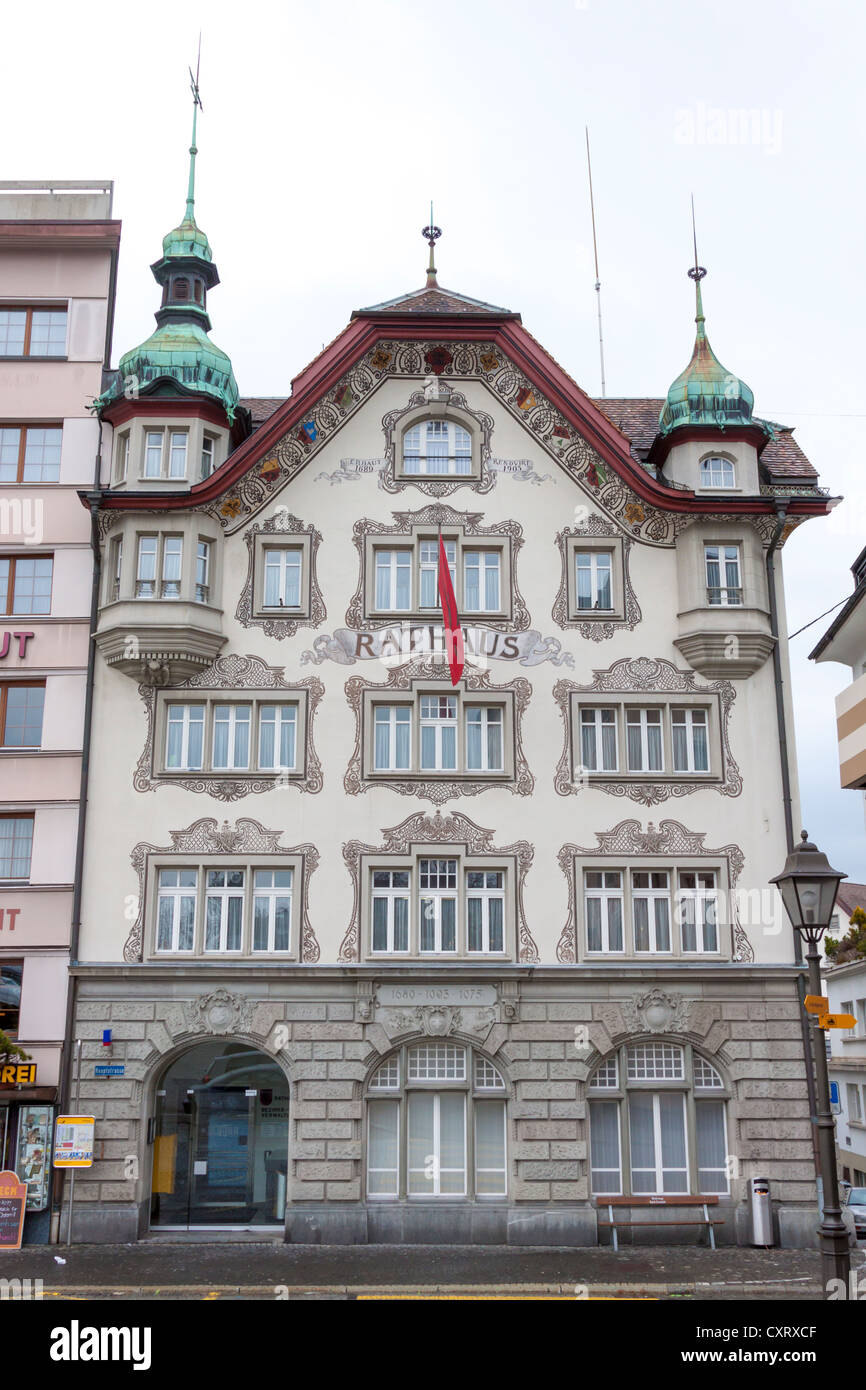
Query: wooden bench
697, 1219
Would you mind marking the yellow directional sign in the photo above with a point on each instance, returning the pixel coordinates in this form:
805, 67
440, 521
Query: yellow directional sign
837, 1021
816, 1004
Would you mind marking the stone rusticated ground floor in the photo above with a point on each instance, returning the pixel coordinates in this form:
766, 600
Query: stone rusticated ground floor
546, 1029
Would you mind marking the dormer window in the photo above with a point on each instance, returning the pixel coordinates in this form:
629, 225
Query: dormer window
718, 473
436, 447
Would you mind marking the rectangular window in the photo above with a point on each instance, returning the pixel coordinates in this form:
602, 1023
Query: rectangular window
593, 579
696, 910
690, 741
21, 708
175, 909
390, 910
272, 909
184, 738
439, 733
392, 729
202, 572
437, 880
853, 1093
283, 570
428, 571
153, 454
172, 556
485, 911
651, 910
145, 573
115, 568
121, 460
278, 731
643, 729
30, 454
177, 454
481, 581
603, 903
484, 745
28, 332
16, 846
436, 1140
394, 580
11, 976
25, 584
598, 751
231, 737
208, 455
383, 1148
724, 584
657, 1127
224, 910
490, 1170
604, 1147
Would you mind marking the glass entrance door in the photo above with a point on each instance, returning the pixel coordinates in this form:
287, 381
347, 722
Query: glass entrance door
220, 1148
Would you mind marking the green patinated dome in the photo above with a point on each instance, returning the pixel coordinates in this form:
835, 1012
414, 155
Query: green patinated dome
706, 393
187, 240
184, 354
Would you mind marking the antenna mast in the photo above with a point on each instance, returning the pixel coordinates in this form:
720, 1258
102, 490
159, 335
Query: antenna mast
595, 254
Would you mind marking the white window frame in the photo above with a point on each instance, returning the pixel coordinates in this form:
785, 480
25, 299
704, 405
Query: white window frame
232, 764
593, 568
651, 895
208, 455
729, 595
170, 585
659, 1170
174, 893
638, 718
394, 717
285, 716
437, 896
224, 894
605, 893
485, 895
698, 896
428, 568
598, 718
438, 723
202, 570
285, 554
433, 1160
271, 894
399, 558
140, 554
390, 895
691, 719
482, 557
185, 720
718, 472
458, 452
489, 717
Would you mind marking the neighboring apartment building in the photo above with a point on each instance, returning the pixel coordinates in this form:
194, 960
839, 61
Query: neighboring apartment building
845, 641
390, 959
58, 259
846, 990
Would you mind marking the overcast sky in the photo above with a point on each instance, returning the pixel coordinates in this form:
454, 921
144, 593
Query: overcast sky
327, 128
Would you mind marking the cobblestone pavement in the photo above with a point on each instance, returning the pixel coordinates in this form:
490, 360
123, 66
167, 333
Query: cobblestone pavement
262, 1270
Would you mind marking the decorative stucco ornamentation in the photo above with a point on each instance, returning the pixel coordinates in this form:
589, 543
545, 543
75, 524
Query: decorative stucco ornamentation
436, 1020
437, 515
639, 676
656, 1012
453, 829
232, 673
443, 788
596, 629
220, 1012
282, 523
206, 837
441, 486
628, 840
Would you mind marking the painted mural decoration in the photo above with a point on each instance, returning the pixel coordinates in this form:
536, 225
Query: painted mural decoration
406, 641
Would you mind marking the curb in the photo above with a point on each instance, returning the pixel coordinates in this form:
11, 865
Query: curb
605, 1290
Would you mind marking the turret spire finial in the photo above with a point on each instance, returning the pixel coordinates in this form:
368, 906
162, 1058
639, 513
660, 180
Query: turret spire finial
697, 274
193, 150
431, 235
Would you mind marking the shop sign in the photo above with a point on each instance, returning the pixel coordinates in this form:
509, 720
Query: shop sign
17, 1074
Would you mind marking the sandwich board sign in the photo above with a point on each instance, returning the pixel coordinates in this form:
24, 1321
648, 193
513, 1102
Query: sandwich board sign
73, 1141
13, 1197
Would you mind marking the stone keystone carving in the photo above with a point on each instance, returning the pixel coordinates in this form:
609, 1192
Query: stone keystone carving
656, 1012
220, 1012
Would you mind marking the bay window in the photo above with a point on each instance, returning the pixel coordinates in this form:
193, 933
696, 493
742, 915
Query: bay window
165, 452
657, 1123
202, 571
724, 581
436, 1126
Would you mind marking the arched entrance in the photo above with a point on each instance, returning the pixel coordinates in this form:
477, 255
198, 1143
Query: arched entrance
221, 1139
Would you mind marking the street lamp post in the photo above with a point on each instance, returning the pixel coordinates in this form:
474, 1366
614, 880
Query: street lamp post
808, 886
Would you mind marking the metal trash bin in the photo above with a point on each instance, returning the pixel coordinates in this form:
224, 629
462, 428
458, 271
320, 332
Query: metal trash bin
762, 1212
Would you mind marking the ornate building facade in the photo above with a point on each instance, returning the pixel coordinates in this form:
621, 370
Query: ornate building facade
389, 959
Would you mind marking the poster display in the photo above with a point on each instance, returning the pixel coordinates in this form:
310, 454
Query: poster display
34, 1146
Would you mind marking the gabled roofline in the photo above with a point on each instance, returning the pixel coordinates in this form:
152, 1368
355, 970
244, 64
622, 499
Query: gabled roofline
504, 331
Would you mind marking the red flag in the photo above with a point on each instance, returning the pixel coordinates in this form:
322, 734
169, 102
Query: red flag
451, 623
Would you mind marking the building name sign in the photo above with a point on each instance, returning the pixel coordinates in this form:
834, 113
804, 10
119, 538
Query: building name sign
405, 641
22, 638
17, 1073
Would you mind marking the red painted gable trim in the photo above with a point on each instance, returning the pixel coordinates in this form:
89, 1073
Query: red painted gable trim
122, 410
513, 339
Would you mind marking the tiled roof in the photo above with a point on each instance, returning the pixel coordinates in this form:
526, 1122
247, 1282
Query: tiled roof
261, 408
434, 301
638, 419
851, 895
